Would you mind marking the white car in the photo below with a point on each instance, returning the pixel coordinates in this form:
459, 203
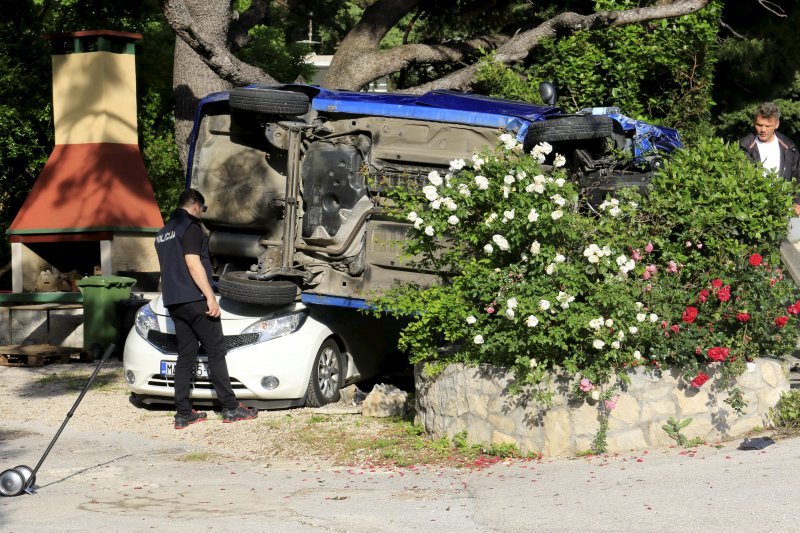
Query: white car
277, 357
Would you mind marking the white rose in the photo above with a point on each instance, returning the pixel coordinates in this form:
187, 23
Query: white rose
508, 179
633, 330
614, 211
452, 220
555, 215
641, 317
509, 215
435, 178
429, 231
598, 344
478, 339
609, 322
560, 258
436, 204
450, 204
544, 305
560, 182
550, 268
456, 164
637, 354
533, 361
418, 223
535, 247
615, 345
430, 192
533, 216
545, 147
510, 314
511, 303
653, 317
559, 161
488, 249
471, 320
532, 321
482, 182
412, 216
558, 200
506, 191
595, 394
501, 242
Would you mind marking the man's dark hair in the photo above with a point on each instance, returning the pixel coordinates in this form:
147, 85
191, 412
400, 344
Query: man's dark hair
189, 197
768, 110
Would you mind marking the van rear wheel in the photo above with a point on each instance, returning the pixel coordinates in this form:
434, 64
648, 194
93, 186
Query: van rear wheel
268, 101
237, 286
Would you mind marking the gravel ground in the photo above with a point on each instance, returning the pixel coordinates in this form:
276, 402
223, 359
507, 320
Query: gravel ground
44, 396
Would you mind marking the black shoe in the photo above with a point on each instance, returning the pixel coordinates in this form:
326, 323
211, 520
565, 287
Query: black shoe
240, 412
184, 421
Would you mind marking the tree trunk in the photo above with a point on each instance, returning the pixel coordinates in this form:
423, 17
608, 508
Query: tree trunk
192, 79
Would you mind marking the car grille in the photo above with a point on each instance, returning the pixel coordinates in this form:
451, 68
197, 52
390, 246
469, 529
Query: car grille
167, 342
197, 383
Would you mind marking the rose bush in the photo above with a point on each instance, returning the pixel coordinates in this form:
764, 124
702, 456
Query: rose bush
534, 280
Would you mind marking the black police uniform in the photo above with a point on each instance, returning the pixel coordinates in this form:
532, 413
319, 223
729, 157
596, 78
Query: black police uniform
181, 236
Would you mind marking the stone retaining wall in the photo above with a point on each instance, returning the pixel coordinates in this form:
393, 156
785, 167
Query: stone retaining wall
475, 399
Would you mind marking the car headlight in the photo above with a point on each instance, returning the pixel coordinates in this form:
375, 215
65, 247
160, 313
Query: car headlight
146, 320
269, 328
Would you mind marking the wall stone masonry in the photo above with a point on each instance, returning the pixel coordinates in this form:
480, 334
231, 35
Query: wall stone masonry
476, 399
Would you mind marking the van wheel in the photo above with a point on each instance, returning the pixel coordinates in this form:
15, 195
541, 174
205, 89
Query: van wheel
327, 375
268, 101
569, 128
236, 286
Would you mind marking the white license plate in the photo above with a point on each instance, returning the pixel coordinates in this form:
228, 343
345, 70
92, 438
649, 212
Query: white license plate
199, 370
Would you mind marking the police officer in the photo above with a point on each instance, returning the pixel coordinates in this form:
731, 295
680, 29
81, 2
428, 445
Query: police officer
187, 293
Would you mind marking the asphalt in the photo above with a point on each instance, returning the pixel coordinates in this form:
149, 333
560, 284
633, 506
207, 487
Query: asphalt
94, 480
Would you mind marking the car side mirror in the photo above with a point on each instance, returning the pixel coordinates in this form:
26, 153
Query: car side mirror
548, 92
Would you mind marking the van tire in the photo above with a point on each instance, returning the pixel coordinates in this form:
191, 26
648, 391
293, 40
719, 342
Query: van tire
569, 128
268, 101
236, 286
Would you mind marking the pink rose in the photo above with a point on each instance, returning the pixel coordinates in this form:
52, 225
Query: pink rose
611, 403
651, 268
649, 247
672, 267
586, 385
635, 255
490, 309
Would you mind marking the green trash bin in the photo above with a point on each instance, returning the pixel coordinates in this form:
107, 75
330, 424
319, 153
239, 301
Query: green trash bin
100, 320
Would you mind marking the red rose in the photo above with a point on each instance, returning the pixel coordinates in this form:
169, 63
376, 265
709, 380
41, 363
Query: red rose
699, 379
718, 353
742, 317
781, 321
755, 260
716, 283
794, 309
689, 314
703, 296
675, 328
724, 293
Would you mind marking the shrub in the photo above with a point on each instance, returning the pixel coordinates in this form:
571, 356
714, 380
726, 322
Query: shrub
786, 413
533, 281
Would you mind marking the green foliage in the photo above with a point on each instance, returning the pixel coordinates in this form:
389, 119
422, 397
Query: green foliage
673, 428
661, 70
534, 282
786, 413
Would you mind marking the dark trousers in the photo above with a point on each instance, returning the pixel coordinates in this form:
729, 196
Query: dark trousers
192, 328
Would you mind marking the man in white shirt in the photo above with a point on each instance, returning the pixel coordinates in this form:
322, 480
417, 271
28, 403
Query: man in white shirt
775, 151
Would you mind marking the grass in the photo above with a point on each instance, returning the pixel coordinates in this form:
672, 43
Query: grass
196, 457
73, 381
397, 442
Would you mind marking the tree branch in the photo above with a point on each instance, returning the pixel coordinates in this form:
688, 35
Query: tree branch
238, 36
517, 48
213, 52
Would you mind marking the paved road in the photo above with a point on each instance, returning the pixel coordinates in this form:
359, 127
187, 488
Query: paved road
123, 482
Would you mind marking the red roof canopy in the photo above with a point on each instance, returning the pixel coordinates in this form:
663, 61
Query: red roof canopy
88, 188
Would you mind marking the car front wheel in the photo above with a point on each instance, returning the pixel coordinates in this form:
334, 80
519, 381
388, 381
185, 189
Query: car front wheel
327, 375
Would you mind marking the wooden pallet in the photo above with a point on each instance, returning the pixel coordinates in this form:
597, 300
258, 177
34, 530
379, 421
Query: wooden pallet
38, 354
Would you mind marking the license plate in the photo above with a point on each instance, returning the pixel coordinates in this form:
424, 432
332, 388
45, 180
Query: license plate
199, 370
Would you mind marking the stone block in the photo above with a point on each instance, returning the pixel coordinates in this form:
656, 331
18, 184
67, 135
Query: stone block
701, 427
657, 410
28, 327
5, 325
585, 420
557, 433
656, 436
498, 437
385, 401
630, 439
767, 398
502, 423
66, 327
692, 402
625, 414
742, 425
477, 405
771, 372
